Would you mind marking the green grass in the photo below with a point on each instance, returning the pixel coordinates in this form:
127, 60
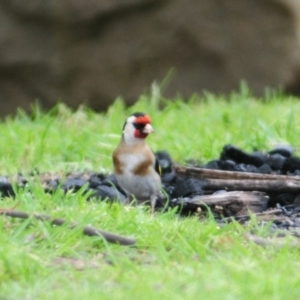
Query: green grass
175, 258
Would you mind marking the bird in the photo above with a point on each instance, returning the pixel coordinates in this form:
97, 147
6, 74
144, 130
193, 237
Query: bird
136, 169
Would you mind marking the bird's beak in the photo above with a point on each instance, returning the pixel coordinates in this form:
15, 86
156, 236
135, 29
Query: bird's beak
148, 129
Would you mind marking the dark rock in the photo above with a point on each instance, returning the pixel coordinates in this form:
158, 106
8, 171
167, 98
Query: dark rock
168, 182
227, 165
291, 164
264, 169
109, 192
169, 178
214, 165
260, 155
245, 168
284, 150
164, 160
6, 189
275, 161
239, 156
218, 164
74, 184
95, 180
185, 187
111, 181
282, 199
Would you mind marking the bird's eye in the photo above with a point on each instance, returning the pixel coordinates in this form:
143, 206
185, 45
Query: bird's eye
138, 126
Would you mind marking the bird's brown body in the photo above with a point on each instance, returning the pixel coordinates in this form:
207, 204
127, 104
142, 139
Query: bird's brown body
134, 164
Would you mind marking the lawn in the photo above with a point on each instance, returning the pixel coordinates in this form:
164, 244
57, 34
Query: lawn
175, 257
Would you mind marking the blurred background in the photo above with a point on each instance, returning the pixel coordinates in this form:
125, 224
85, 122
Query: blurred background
94, 51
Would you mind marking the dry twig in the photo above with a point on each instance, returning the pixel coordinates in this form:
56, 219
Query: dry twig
87, 230
241, 181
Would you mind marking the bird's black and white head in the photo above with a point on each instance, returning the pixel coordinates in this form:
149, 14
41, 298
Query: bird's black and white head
136, 128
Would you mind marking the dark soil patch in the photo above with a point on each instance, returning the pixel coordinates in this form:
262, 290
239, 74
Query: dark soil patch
181, 189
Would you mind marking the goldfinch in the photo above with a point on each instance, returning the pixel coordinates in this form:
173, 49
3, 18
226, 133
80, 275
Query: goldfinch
135, 166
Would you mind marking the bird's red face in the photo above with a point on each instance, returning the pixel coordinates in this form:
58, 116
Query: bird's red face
137, 127
142, 125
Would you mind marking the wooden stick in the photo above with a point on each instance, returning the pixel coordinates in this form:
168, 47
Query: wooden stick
229, 198
269, 214
241, 181
290, 185
87, 230
204, 173
274, 242
230, 203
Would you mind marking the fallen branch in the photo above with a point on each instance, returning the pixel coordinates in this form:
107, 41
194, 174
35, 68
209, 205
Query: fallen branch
274, 242
241, 181
87, 230
290, 185
204, 173
231, 203
268, 215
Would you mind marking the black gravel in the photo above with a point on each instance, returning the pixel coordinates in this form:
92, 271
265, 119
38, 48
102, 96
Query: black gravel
280, 160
